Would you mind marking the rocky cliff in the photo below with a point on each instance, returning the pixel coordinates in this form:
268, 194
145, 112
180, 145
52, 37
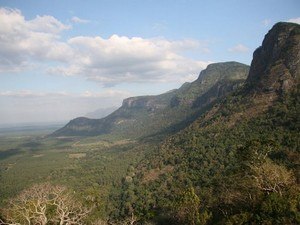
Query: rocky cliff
275, 66
208, 78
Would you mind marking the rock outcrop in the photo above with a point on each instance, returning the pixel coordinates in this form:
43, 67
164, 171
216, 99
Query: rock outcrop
275, 66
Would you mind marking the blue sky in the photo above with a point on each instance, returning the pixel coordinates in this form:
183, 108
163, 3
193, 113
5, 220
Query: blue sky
61, 59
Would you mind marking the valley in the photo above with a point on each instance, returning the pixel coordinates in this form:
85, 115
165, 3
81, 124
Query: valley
89, 166
223, 149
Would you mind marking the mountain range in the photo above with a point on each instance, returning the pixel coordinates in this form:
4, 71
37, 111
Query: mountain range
273, 70
228, 149
146, 115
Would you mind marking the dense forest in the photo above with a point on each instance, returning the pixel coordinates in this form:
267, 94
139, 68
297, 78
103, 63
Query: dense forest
223, 149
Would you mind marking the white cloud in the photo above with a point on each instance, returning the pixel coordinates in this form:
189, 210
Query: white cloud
46, 24
87, 94
32, 106
121, 59
76, 19
239, 48
294, 20
23, 42
108, 61
31, 94
108, 93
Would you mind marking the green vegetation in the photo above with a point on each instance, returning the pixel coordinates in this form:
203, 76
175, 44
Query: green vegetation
212, 172
151, 115
216, 151
240, 173
92, 167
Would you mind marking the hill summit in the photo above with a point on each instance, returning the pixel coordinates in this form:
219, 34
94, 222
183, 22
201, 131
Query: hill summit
275, 66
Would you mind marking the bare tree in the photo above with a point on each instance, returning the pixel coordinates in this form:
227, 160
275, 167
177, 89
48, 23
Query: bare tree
101, 222
4, 223
270, 177
43, 204
30, 206
130, 220
68, 210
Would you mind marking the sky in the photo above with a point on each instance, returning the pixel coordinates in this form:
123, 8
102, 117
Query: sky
60, 59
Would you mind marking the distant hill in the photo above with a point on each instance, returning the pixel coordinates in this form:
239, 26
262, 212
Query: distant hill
100, 113
148, 115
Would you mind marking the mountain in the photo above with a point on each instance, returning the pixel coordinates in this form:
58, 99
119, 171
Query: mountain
148, 115
275, 65
214, 73
238, 161
223, 149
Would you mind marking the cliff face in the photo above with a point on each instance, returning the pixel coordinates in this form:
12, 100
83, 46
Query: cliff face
275, 66
145, 102
218, 91
146, 114
208, 78
225, 70
137, 102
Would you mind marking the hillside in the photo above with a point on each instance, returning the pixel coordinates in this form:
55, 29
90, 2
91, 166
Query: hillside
148, 115
238, 162
223, 149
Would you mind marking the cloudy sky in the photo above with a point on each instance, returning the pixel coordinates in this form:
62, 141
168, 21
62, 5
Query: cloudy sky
60, 59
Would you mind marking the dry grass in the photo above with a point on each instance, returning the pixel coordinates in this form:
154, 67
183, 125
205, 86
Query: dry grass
77, 155
260, 105
37, 155
155, 173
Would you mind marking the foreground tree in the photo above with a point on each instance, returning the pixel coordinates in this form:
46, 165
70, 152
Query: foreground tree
187, 209
45, 204
270, 177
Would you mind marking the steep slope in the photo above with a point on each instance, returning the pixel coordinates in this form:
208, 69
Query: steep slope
238, 162
213, 74
275, 66
147, 115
